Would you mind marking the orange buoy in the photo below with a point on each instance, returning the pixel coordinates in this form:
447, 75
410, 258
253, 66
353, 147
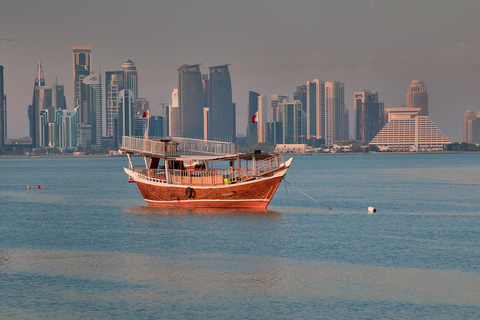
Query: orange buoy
28, 187
38, 186
43, 187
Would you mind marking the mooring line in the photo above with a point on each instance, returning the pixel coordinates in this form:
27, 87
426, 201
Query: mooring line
288, 195
304, 195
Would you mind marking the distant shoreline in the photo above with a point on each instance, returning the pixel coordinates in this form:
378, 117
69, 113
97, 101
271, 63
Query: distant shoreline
284, 154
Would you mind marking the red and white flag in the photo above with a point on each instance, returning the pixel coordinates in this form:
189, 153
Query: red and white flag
254, 117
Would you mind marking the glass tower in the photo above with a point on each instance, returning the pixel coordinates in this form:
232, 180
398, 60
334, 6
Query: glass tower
222, 116
113, 85
190, 100
81, 69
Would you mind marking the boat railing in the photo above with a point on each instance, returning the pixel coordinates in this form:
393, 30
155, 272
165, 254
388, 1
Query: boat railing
213, 177
176, 146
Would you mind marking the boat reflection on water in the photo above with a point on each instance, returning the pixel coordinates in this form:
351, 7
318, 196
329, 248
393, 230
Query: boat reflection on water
203, 211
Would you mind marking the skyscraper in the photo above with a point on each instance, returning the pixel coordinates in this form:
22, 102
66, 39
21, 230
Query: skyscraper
34, 108
252, 109
300, 94
291, 121
369, 115
130, 77
315, 109
190, 100
90, 110
81, 69
335, 117
262, 119
222, 115
174, 115
471, 127
3, 110
417, 96
113, 85
126, 107
275, 101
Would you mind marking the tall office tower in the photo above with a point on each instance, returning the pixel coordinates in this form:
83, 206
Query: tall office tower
3, 110
417, 96
190, 100
262, 119
335, 128
252, 109
67, 121
34, 108
81, 69
113, 85
59, 100
222, 115
275, 101
291, 121
156, 126
315, 109
300, 94
469, 124
369, 115
130, 77
301, 123
471, 127
274, 131
126, 107
174, 115
90, 111
206, 90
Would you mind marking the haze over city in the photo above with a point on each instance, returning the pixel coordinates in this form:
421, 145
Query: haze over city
272, 47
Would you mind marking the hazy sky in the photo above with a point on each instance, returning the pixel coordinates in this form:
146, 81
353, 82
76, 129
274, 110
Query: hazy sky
272, 46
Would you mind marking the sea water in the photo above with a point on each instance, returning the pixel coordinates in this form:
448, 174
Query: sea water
88, 247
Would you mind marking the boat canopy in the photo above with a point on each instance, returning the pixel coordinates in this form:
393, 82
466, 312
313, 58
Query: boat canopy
185, 149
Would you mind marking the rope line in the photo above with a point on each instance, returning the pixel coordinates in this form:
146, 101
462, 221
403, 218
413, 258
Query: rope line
288, 195
305, 195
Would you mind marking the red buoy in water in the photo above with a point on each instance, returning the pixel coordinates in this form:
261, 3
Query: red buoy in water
38, 186
43, 187
28, 187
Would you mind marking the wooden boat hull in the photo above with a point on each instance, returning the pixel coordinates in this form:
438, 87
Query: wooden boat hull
254, 194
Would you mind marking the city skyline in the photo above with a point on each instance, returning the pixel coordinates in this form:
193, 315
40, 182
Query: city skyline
393, 42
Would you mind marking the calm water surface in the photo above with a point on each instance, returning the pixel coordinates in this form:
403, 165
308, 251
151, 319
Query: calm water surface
88, 247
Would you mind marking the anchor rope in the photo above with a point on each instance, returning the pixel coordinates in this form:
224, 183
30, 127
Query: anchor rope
305, 195
288, 195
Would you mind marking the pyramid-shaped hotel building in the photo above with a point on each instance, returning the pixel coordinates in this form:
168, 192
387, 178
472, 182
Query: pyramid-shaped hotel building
410, 128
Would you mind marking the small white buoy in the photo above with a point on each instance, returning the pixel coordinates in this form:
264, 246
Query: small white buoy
372, 210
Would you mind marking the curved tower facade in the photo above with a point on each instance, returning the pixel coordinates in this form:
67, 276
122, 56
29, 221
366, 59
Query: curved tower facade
126, 106
130, 77
190, 100
417, 96
222, 113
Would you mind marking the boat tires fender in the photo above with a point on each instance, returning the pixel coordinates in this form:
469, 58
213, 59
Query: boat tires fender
189, 193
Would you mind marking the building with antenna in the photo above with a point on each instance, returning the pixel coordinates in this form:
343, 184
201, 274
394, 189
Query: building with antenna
82, 61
